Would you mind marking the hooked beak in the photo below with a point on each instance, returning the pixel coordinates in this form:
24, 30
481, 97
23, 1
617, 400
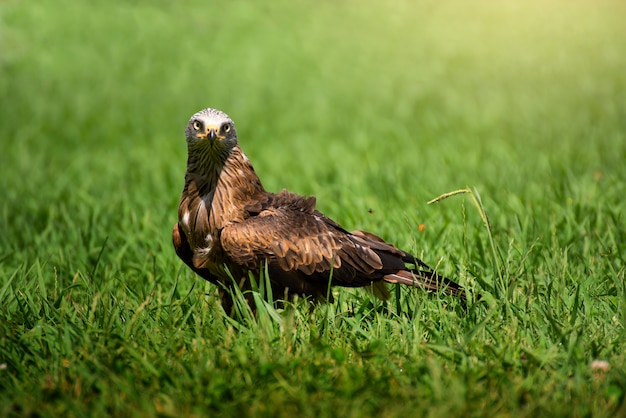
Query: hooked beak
211, 132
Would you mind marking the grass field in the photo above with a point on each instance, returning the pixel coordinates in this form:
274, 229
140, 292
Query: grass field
373, 107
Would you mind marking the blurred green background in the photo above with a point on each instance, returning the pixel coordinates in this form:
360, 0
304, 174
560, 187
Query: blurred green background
365, 104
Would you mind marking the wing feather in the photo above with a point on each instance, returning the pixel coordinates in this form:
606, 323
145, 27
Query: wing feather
362, 259
295, 240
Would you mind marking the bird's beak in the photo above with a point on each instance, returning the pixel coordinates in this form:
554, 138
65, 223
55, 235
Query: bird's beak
211, 133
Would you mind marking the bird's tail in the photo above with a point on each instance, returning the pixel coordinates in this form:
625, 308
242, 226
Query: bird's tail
421, 275
426, 279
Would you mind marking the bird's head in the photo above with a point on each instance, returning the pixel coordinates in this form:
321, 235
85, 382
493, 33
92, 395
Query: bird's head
211, 129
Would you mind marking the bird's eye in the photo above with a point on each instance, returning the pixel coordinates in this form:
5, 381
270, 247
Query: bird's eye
197, 125
226, 128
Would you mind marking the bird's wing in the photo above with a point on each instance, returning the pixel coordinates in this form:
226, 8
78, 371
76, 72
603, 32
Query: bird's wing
295, 240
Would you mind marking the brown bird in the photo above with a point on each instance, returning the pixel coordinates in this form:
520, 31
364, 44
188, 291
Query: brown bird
229, 226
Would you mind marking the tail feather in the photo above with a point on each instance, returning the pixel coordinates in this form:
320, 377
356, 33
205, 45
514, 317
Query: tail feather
428, 280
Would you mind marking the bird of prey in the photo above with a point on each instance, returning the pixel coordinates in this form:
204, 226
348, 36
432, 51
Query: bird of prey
229, 226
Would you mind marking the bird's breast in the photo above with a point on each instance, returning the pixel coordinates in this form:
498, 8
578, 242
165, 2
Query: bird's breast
208, 241
185, 220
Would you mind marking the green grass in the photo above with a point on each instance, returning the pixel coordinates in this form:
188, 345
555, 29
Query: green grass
381, 106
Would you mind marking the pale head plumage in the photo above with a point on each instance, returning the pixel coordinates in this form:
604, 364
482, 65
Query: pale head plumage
211, 128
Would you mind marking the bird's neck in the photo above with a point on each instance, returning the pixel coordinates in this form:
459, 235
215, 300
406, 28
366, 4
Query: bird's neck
204, 167
223, 183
